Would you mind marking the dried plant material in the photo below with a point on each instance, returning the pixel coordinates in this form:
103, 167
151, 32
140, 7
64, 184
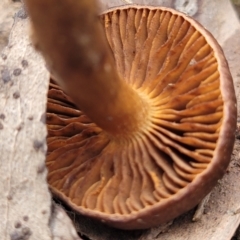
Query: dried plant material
201, 208
155, 233
7, 10
25, 202
61, 225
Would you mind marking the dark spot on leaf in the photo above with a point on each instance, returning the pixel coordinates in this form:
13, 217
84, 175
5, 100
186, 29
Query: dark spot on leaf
27, 231
22, 14
17, 71
25, 218
9, 197
5, 75
23, 234
20, 127
185, 3
24, 63
1, 126
2, 116
37, 144
43, 118
44, 212
4, 56
17, 224
41, 168
16, 95
15, 236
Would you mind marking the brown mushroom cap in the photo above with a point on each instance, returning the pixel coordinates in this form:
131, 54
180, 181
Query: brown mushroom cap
167, 167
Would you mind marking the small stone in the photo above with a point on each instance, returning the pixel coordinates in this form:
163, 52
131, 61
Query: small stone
2, 116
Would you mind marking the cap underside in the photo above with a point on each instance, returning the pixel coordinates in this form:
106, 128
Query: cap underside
173, 67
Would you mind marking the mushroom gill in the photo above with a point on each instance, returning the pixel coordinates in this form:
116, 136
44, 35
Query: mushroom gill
163, 159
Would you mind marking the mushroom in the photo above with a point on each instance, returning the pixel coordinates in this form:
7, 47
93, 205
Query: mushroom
144, 129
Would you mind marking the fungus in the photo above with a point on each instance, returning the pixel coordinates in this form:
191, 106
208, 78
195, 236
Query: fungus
144, 129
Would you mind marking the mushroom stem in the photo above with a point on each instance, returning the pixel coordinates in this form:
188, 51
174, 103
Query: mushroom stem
71, 39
